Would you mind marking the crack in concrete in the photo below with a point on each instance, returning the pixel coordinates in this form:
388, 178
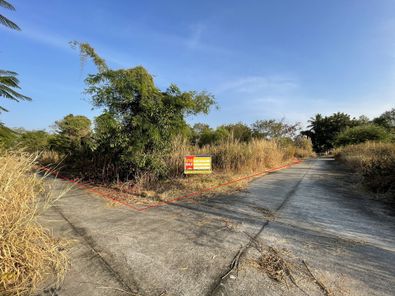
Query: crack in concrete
219, 282
104, 262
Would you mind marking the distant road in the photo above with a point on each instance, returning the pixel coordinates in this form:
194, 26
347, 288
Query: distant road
312, 211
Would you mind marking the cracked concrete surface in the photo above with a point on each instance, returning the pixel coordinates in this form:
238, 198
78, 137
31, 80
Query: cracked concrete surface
311, 209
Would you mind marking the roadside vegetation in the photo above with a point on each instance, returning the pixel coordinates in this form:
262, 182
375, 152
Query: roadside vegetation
232, 160
29, 254
367, 146
91, 154
375, 162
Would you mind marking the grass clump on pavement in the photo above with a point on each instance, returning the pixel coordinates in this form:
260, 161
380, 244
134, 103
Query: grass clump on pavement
29, 255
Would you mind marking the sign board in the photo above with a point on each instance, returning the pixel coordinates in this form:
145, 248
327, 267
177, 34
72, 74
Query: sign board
197, 164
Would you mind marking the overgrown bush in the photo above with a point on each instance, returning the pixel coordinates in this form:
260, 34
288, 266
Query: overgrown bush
33, 141
375, 162
361, 134
30, 141
28, 253
72, 135
139, 120
7, 136
304, 147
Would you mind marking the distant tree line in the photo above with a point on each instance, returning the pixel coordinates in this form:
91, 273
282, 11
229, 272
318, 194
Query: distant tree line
202, 134
339, 129
111, 148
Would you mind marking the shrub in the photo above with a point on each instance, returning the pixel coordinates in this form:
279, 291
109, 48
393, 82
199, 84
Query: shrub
72, 135
33, 141
375, 162
7, 136
361, 134
304, 147
28, 252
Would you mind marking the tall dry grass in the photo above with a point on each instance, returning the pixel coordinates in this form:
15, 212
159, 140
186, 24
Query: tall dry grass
29, 255
49, 158
375, 162
231, 160
233, 156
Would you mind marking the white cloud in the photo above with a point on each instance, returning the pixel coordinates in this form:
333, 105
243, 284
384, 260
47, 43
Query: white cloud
194, 40
257, 86
62, 42
279, 96
54, 40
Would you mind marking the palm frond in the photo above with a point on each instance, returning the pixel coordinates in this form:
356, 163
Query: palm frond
6, 5
7, 72
8, 23
8, 83
11, 94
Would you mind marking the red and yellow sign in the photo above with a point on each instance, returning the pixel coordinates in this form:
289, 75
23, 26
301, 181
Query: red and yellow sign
197, 164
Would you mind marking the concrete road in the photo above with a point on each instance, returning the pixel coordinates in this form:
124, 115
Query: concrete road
312, 214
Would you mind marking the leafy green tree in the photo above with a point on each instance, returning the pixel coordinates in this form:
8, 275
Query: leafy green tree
33, 141
238, 131
274, 129
221, 134
386, 120
324, 130
363, 119
8, 79
72, 135
108, 145
148, 118
203, 134
362, 133
7, 136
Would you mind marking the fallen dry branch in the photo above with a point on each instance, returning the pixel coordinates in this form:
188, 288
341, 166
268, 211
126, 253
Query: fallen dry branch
283, 268
323, 288
235, 263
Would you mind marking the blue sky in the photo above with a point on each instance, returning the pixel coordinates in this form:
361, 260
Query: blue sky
261, 59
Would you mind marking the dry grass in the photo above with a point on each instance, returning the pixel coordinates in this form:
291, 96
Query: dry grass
29, 255
296, 275
231, 155
49, 157
232, 160
375, 162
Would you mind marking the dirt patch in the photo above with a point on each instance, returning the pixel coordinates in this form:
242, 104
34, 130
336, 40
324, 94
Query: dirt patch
190, 187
